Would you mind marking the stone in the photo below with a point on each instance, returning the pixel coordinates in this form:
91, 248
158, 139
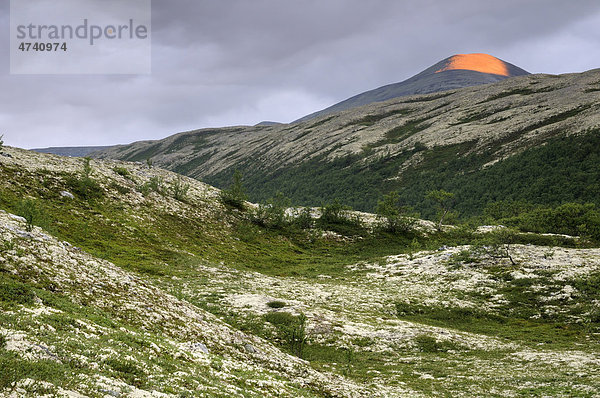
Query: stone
65, 194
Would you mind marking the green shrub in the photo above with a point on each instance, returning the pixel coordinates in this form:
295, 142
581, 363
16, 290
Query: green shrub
84, 186
395, 218
304, 219
1, 141
273, 214
180, 189
14, 292
2, 341
127, 371
431, 345
31, 212
123, 190
122, 171
280, 318
335, 216
276, 304
291, 330
156, 184
235, 196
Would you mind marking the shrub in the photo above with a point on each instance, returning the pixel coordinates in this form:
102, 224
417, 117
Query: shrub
2, 341
127, 371
336, 217
291, 330
304, 219
235, 196
334, 213
122, 171
155, 184
180, 189
395, 218
84, 186
444, 201
123, 190
273, 214
1, 141
280, 318
14, 292
276, 304
431, 345
31, 212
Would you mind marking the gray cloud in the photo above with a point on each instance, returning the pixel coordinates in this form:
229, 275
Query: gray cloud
233, 62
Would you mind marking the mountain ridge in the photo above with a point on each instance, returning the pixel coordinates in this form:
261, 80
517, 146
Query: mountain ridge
448, 74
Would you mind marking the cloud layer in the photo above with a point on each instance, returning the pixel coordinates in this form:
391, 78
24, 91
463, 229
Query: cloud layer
231, 62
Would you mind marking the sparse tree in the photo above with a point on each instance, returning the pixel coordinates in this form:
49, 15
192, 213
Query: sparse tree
444, 201
497, 244
1, 141
395, 218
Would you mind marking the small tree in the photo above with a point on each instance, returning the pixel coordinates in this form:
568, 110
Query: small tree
235, 195
444, 201
1, 141
273, 214
497, 244
30, 211
395, 217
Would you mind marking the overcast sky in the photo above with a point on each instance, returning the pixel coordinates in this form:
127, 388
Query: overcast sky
232, 62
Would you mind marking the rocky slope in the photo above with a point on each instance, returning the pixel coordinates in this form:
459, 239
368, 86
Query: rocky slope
357, 154
133, 288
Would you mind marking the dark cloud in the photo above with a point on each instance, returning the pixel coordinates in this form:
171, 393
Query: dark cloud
239, 62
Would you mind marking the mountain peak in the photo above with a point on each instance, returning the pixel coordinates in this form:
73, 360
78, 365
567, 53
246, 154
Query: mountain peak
477, 62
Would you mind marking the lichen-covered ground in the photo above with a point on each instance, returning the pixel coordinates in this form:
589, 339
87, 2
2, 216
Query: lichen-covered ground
140, 292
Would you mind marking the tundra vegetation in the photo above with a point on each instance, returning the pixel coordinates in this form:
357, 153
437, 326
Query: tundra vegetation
146, 282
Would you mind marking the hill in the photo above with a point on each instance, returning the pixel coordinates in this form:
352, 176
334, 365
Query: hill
457, 71
532, 138
73, 151
117, 279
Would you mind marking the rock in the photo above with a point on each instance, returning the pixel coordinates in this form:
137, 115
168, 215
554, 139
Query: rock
112, 393
250, 348
25, 235
199, 347
17, 218
65, 194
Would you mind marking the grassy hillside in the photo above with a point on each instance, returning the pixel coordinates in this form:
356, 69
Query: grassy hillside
144, 284
564, 169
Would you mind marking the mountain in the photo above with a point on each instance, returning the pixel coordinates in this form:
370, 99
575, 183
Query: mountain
457, 71
532, 137
121, 280
72, 151
268, 123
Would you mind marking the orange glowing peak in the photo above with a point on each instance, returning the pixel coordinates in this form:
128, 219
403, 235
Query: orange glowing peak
477, 62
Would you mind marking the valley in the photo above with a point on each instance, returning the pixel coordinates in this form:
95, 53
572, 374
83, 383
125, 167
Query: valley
120, 279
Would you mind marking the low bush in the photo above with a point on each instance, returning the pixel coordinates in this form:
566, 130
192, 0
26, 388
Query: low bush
276, 304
